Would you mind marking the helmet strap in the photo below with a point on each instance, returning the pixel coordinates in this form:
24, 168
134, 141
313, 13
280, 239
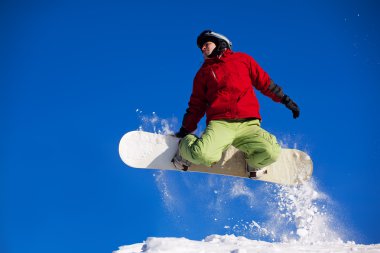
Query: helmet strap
219, 49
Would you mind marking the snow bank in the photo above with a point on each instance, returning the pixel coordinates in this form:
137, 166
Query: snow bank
233, 244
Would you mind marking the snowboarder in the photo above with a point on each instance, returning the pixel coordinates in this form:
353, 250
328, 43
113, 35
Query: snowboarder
222, 90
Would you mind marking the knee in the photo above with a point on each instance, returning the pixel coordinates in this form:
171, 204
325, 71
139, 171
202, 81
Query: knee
276, 150
192, 149
203, 157
272, 148
273, 153
265, 157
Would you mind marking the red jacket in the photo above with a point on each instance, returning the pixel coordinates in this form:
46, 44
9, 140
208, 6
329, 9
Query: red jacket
223, 89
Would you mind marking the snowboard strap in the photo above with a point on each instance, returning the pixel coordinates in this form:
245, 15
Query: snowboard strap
179, 165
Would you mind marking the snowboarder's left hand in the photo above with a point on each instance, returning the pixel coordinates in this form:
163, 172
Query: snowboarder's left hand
182, 133
291, 106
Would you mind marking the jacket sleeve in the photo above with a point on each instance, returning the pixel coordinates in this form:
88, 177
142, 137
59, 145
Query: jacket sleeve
261, 80
197, 105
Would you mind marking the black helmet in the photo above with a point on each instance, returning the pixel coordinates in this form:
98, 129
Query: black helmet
220, 40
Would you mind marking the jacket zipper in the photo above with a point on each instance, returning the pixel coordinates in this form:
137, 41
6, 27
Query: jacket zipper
213, 73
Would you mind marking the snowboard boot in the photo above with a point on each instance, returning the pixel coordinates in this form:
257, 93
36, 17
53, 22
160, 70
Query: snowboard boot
180, 163
255, 173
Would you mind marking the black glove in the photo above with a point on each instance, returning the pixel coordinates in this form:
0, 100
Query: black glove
291, 106
182, 133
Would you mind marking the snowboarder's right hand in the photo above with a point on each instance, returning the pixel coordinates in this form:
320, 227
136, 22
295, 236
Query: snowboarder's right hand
182, 133
291, 106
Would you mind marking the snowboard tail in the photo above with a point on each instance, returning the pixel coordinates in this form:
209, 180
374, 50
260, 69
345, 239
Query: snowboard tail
144, 150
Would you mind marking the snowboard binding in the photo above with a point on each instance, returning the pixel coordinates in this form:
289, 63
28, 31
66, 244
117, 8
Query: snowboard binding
254, 173
180, 163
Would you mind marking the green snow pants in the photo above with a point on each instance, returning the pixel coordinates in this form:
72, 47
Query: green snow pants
260, 147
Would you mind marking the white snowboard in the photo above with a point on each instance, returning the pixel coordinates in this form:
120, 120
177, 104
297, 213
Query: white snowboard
143, 150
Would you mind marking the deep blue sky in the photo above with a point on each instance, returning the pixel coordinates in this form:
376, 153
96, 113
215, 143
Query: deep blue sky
73, 73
